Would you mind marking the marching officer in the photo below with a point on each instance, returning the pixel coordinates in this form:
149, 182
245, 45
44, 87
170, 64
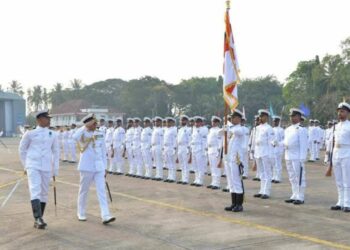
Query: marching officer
92, 167
39, 152
183, 150
233, 161
118, 147
278, 150
295, 143
341, 157
146, 143
263, 152
215, 142
170, 148
157, 146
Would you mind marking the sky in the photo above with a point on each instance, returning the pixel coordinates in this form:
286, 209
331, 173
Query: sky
44, 42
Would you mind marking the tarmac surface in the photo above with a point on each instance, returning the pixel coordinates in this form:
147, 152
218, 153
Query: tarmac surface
158, 215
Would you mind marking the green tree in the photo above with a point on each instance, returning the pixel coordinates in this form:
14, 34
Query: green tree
37, 97
16, 87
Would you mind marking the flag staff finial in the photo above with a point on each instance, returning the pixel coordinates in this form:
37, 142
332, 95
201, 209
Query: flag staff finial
228, 4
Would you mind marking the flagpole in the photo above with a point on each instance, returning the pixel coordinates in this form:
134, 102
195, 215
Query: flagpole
228, 3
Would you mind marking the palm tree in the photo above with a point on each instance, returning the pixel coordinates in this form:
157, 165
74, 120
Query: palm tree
56, 94
77, 84
37, 97
29, 100
16, 87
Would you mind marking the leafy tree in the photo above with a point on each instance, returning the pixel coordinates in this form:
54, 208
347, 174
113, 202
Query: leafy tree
37, 97
16, 87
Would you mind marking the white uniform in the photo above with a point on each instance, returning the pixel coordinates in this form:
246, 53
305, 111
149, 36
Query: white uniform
129, 136
263, 152
170, 147
278, 153
146, 144
341, 162
313, 138
236, 140
157, 146
109, 146
103, 129
39, 152
328, 144
65, 145
72, 145
199, 159
183, 151
92, 166
252, 140
118, 147
60, 140
136, 150
295, 143
214, 142
320, 137
245, 154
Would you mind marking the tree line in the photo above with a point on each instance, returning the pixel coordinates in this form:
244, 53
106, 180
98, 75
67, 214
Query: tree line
320, 84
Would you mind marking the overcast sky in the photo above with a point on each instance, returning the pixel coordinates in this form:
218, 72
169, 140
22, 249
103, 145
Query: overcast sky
48, 41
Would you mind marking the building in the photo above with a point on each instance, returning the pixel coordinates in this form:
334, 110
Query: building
12, 113
73, 111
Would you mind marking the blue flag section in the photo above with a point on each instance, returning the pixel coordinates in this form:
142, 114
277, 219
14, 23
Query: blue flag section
271, 110
305, 109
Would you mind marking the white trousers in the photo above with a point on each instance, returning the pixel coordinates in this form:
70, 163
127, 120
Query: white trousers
184, 156
73, 151
158, 160
342, 179
109, 156
66, 150
147, 161
233, 174
214, 160
313, 151
132, 166
86, 179
264, 164
118, 160
38, 183
298, 185
258, 169
138, 161
277, 166
317, 153
199, 161
170, 161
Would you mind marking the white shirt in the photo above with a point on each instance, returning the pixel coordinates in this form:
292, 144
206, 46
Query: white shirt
295, 143
103, 129
93, 158
215, 141
109, 136
313, 134
157, 136
39, 149
118, 137
146, 138
278, 140
236, 140
136, 141
70, 135
198, 140
245, 137
263, 141
342, 140
170, 137
184, 136
129, 136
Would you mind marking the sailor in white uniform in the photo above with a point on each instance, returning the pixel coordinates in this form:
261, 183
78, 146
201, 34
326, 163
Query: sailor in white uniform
92, 167
39, 153
118, 147
183, 149
146, 144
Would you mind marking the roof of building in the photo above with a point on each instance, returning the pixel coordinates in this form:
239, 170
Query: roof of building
10, 96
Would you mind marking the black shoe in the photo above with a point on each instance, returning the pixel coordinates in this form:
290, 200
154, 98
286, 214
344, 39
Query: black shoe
115, 173
239, 203
223, 175
256, 179
159, 179
193, 184
225, 190
346, 209
233, 202
289, 201
317, 159
209, 174
192, 172
184, 183
244, 177
298, 202
257, 195
154, 167
265, 196
127, 174
273, 181
120, 173
166, 180
39, 223
179, 170
198, 185
215, 187
276, 182
179, 182
64, 161
336, 207
171, 181
210, 186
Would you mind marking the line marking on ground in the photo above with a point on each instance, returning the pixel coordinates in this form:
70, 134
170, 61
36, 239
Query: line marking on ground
221, 218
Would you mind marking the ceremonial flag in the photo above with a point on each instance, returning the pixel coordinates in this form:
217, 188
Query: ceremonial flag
231, 69
271, 110
305, 109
